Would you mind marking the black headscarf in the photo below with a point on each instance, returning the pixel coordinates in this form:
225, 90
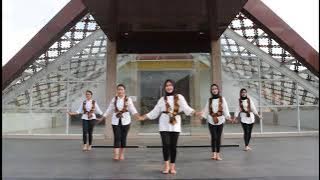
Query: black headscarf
241, 97
214, 96
174, 88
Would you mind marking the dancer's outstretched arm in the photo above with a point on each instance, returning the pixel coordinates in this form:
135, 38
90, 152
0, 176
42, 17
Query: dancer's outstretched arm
187, 109
254, 109
79, 111
107, 112
72, 113
132, 109
97, 109
154, 113
226, 112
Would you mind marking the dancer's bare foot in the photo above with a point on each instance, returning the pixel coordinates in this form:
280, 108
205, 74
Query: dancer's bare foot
116, 157
116, 154
218, 157
173, 168
84, 147
166, 167
89, 148
214, 156
121, 157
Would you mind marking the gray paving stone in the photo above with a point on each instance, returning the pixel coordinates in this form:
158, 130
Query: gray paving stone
292, 158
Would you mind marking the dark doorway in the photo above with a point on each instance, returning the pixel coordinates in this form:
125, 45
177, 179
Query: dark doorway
151, 84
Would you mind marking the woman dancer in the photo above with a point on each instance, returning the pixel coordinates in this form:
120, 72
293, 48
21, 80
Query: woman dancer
216, 111
247, 110
121, 106
169, 108
88, 109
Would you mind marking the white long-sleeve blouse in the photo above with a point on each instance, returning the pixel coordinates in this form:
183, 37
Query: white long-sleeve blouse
164, 119
126, 115
215, 104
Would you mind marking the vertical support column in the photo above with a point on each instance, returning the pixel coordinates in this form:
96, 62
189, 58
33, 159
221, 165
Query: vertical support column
195, 99
298, 108
30, 110
216, 68
216, 63
133, 87
111, 79
260, 109
68, 100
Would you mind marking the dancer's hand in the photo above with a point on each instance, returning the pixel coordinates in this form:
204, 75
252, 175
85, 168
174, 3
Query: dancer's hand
260, 116
229, 119
235, 120
99, 120
136, 116
141, 118
70, 113
199, 114
232, 120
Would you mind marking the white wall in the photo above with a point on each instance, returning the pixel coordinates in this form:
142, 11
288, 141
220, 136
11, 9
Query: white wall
309, 118
24, 121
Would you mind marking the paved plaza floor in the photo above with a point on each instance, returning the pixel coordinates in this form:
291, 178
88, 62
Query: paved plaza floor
289, 158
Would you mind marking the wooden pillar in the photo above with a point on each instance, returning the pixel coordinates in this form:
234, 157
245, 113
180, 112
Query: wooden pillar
196, 122
111, 80
216, 63
216, 68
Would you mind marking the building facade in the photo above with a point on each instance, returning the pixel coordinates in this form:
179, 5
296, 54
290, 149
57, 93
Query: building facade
282, 81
